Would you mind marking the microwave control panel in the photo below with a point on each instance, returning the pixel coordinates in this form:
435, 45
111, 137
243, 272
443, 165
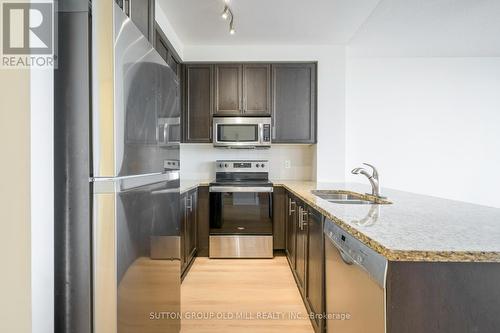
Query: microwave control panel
266, 136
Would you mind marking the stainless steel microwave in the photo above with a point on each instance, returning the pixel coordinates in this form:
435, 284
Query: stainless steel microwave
242, 132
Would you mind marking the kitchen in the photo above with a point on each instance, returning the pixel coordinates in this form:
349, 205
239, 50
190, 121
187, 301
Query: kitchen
258, 166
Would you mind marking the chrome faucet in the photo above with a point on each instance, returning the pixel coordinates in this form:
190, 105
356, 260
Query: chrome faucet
373, 178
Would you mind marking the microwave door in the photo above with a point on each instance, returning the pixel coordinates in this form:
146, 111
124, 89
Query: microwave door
242, 132
237, 134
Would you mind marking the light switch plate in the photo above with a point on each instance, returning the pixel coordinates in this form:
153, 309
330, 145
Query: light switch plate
288, 164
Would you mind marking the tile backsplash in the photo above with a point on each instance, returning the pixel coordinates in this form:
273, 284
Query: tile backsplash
286, 161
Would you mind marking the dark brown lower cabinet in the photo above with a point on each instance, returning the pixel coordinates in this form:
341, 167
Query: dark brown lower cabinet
438, 297
305, 252
291, 230
279, 211
315, 291
203, 222
188, 228
301, 247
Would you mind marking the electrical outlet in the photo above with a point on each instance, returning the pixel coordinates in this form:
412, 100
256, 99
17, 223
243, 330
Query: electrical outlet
288, 164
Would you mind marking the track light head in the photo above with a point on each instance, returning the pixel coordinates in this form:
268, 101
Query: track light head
231, 27
225, 13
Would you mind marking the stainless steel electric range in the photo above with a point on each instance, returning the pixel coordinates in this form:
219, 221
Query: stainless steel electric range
241, 210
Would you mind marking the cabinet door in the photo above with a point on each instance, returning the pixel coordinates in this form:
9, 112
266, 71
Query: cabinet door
257, 89
279, 216
141, 12
294, 103
301, 249
191, 234
315, 267
291, 232
228, 91
202, 221
166, 52
161, 46
183, 230
197, 115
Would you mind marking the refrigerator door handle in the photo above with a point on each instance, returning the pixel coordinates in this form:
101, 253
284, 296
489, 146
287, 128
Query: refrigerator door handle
119, 184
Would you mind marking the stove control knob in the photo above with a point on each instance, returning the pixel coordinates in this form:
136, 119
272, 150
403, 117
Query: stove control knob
220, 165
226, 165
257, 165
262, 165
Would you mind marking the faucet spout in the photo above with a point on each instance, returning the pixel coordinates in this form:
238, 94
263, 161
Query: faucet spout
373, 178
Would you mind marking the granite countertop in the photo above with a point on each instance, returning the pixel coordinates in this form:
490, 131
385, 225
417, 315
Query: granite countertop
414, 227
189, 184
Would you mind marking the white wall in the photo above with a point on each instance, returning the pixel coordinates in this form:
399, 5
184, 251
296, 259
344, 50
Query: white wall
430, 124
197, 160
168, 30
42, 200
330, 150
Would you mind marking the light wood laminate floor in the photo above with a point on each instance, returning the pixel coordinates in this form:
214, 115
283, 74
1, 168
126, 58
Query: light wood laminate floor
261, 291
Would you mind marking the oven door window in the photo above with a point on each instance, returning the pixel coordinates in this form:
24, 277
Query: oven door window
241, 213
238, 133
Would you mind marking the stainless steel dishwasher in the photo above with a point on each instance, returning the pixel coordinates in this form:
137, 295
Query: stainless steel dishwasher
355, 284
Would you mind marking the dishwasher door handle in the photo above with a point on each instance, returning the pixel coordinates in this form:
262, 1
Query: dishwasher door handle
346, 258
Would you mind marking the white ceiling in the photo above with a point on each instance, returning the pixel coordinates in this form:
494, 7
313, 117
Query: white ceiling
199, 22
369, 27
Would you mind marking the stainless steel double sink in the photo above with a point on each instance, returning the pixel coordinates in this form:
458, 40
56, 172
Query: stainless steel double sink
350, 198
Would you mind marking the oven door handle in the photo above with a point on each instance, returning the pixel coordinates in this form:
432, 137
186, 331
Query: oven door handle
241, 189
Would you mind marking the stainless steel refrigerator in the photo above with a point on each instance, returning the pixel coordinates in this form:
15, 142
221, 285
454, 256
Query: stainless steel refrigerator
135, 179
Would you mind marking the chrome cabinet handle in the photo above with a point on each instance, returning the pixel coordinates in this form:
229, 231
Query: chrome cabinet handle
300, 218
190, 205
305, 214
290, 203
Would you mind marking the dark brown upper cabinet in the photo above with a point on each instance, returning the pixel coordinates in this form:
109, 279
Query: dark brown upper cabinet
257, 89
166, 51
228, 89
242, 89
161, 46
294, 103
197, 115
142, 13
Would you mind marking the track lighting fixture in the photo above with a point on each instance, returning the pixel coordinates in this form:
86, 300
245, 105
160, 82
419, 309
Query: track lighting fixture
227, 13
231, 27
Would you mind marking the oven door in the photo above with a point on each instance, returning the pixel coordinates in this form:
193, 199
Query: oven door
241, 222
241, 210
